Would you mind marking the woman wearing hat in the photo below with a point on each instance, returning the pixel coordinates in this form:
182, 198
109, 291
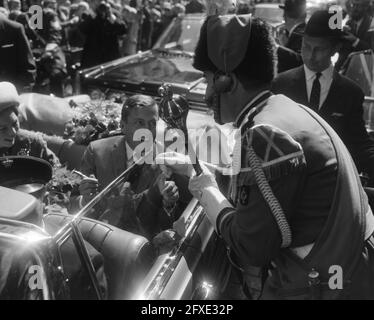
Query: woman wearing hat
14, 141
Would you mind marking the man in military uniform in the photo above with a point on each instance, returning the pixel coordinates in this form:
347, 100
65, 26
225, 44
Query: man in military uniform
296, 207
14, 141
294, 17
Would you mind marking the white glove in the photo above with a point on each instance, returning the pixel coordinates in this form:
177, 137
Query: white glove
204, 187
198, 184
174, 162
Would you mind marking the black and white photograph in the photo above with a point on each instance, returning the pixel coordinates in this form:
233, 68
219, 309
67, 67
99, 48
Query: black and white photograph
186, 155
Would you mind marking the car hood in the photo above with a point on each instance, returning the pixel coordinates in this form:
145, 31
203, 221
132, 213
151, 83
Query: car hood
145, 72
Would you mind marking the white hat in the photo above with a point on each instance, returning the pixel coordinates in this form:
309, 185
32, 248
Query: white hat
8, 95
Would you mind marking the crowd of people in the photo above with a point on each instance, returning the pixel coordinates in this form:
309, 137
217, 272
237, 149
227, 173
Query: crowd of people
105, 31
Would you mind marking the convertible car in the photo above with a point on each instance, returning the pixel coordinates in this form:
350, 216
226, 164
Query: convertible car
39, 263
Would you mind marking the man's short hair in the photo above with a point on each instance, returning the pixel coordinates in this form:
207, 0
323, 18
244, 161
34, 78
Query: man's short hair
136, 101
258, 64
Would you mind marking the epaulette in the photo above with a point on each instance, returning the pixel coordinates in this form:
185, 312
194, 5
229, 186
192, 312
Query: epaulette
278, 153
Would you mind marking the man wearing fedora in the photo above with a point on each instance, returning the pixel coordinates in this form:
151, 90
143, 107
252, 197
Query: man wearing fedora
296, 208
334, 97
294, 18
13, 140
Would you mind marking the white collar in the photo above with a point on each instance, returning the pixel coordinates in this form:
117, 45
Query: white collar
327, 73
129, 152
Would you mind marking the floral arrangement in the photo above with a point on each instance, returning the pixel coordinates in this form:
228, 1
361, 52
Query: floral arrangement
63, 186
96, 119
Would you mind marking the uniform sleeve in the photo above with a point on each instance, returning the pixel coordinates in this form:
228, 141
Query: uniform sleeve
251, 229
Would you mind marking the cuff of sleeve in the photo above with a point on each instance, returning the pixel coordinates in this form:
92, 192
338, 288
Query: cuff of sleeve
224, 213
214, 202
355, 44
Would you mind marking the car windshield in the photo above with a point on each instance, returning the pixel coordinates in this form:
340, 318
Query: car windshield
182, 34
270, 14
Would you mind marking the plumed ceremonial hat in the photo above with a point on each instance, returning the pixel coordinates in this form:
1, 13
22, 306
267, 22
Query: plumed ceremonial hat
228, 38
8, 96
319, 26
236, 44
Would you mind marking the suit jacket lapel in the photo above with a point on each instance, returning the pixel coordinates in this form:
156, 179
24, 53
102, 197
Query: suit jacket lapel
365, 24
119, 157
333, 95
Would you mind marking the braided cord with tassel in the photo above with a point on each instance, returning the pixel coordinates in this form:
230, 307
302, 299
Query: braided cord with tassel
270, 198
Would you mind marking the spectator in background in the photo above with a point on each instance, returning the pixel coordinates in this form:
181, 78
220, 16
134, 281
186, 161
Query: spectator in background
294, 17
359, 30
243, 8
78, 11
101, 36
21, 17
194, 6
17, 64
167, 15
130, 41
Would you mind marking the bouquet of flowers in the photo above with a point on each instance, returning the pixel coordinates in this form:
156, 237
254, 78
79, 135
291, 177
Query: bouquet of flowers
63, 186
94, 120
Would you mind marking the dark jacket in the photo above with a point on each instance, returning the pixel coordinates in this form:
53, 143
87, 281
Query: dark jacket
295, 37
365, 33
194, 6
342, 109
101, 40
288, 59
16, 60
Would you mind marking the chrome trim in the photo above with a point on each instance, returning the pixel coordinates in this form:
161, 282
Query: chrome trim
194, 214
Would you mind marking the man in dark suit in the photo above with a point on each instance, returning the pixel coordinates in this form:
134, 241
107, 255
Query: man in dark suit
336, 98
101, 34
153, 201
294, 17
359, 30
16, 60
